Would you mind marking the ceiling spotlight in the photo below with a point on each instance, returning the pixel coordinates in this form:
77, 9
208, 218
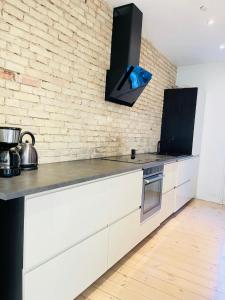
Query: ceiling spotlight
211, 22
203, 8
222, 47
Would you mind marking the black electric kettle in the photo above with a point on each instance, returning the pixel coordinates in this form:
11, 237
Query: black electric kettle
28, 153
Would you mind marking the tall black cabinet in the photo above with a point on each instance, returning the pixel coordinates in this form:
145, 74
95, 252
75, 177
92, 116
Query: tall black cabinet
178, 121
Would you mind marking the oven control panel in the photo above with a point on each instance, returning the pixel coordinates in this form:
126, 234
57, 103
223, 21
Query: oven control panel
153, 170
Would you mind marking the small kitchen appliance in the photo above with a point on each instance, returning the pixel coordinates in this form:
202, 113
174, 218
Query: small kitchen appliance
9, 156
28, 153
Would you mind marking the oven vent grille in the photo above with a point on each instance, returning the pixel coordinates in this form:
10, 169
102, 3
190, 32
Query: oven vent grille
153, 170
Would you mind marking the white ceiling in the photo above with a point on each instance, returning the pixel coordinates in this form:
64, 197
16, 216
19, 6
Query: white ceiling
179, 29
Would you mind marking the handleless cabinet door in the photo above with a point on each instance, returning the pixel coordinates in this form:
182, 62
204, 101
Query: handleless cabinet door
149, 225
123, 236
57, 221
170, 176
168, 204
126, 197
194, 178
183, 194
69, 274
185, 171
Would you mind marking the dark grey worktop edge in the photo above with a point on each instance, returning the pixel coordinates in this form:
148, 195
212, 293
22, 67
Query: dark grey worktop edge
128, 167
33, 191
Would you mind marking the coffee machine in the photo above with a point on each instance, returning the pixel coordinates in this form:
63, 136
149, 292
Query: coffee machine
9, 156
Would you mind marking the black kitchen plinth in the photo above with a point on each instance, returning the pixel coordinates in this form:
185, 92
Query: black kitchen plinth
11, 248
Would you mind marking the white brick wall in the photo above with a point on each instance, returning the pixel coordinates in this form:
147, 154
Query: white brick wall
53, 62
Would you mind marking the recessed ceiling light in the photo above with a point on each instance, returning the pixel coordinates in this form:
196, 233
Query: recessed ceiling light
222, 47
211, 22
203, 8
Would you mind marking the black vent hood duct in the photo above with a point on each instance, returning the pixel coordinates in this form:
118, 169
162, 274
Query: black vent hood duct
125, 80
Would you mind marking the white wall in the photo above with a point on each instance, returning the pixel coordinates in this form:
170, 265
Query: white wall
210, 78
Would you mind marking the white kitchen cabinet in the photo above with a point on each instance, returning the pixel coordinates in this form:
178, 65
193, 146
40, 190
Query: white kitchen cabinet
149, 225
57, 221
194, 178
168, 204
170, 176
75, 234
186, 181
185, 171
123, 236
183, 194
67, 275
124, 195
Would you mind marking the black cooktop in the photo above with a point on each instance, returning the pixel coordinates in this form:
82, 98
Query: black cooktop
143, 158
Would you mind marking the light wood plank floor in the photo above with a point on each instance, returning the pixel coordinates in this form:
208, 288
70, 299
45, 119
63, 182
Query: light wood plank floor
184, 259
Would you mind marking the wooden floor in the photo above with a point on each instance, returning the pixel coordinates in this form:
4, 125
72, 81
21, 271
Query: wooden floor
184, 259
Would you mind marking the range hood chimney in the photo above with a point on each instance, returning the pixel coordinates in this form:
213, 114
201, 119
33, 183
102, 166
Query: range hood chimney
126, 80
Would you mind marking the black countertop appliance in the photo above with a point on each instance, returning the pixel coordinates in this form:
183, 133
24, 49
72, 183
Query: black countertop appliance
9, 156
178, 121
126, 80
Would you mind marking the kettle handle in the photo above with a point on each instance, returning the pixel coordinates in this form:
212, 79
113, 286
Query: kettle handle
27, 133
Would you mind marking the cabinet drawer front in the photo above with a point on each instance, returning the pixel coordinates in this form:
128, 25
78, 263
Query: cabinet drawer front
194, 178
67, 275
185, 171
125, 196
123, 236
168, 205
149, 225
57, 221
170, 177
183, 195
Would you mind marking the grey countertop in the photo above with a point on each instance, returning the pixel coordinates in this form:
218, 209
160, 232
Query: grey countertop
56, 175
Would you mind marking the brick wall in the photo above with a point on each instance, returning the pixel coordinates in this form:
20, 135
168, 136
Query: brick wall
53, 61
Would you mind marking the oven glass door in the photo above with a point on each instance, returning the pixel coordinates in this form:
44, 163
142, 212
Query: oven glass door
152, 196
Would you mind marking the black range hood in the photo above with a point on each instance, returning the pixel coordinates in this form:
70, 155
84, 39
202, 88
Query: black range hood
126, 80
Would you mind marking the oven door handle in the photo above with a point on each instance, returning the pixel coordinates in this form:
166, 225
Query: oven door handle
158, 177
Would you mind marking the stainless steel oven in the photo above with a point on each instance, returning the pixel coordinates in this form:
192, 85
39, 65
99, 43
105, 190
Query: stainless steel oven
152, 191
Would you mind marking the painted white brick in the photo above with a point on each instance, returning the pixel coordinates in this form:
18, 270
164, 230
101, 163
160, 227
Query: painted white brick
9, 56
20, 5
65, 46
12, 10
12, 85
38, 114
15, 22
14, 48
26, 97
2, 119
14, 67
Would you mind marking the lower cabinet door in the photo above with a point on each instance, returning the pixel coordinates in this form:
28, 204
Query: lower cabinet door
67, 275
149, 225
185, 171
123, 236
168, 204
194, 176
183, 194
170, 176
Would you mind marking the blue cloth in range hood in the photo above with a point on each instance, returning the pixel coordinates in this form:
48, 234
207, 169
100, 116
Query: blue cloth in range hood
139, 77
